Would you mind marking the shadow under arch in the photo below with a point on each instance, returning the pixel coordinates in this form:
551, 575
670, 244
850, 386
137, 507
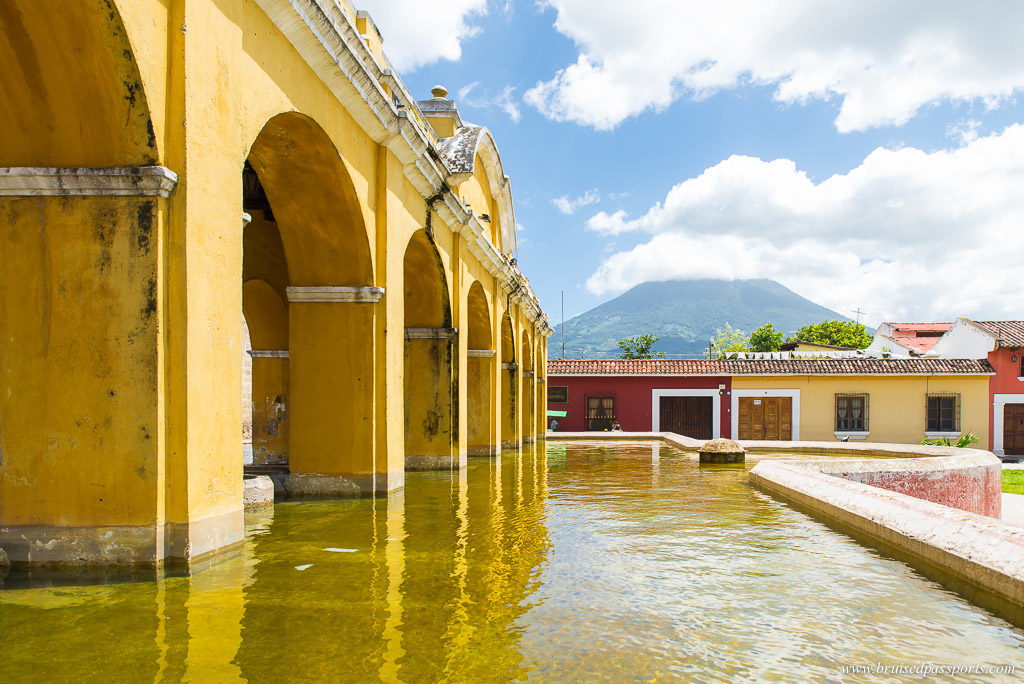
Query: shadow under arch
266, 317
309, 239
70, 90
431, 380
480, 371
509, 374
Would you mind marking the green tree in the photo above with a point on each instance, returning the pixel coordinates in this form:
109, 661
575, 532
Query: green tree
639, 347
836, 333
765, 339
728, 340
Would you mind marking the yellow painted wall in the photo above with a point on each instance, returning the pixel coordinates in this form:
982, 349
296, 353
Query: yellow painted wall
896, 403
132, 417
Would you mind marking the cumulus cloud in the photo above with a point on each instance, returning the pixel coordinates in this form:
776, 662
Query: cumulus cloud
882, 60
425, 31
568, 206
470, 95
907, 234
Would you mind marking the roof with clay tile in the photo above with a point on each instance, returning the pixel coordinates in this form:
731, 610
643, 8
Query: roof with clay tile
1008, 334
733, 367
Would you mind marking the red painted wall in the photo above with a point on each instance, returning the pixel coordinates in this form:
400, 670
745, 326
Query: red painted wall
1004, 381
632, 398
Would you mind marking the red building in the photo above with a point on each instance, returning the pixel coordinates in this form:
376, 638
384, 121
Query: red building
642, 395
1002, 343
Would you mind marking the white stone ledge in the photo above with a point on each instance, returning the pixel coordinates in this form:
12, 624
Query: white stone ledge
509, 365
334, 294
430, 333
118, 181
268, 353
480, 353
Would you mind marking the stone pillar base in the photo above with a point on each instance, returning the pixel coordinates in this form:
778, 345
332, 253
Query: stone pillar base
323, 486
121, 544
428, 462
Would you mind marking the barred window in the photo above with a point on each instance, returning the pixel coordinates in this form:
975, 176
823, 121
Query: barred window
600, 413
942, 413
851, 413
558, 394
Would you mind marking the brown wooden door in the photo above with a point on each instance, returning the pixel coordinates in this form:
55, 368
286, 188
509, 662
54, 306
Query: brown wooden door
690, 416
765, 418
1013, 429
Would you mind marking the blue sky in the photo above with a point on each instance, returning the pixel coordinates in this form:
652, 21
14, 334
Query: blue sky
862, 156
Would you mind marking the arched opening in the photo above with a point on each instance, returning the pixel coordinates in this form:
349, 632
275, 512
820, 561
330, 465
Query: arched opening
265, 318
431, 432
526, 361
480, 380
70, 90
509, 383
309, 304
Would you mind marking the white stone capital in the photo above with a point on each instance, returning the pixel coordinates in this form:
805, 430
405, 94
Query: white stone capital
330, 293
118, 181
268, 353
480, 353
430, 333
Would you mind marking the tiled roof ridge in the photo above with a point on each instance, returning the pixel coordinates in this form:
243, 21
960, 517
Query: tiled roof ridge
853, 366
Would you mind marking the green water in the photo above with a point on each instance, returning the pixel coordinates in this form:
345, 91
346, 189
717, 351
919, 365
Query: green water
587, 562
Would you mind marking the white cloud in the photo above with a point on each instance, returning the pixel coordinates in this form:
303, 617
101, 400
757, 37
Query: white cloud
907, 235
469, 95
882, 60
569, 206
424, 31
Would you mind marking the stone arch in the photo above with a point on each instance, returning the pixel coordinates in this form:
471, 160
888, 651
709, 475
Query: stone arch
480, 369
501, 194
80, 299
313, 201
509, 385
307, 241
72, 95
528, 373
431, 383
265, 317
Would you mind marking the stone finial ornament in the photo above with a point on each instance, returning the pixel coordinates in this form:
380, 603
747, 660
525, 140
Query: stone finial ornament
439, 92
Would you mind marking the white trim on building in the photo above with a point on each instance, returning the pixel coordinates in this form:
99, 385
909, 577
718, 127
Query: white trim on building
716, 406
793, 394
998, 402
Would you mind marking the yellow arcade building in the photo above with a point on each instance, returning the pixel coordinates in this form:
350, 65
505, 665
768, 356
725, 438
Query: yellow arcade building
187, 183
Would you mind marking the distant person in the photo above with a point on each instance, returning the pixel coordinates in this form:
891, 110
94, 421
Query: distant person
554, 425
616, 427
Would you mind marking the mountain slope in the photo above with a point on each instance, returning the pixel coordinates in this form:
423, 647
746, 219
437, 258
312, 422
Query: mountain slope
685, 314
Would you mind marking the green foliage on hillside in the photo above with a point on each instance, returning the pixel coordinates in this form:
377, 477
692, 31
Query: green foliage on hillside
639, 347
836, 333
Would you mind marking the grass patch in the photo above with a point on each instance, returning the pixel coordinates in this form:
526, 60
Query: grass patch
1013, 481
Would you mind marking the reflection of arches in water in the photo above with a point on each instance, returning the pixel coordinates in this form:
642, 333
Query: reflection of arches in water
308, 285
438, 588
480, 374
430, 387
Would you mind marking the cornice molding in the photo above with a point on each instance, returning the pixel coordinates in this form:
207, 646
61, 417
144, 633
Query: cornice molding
431, 333
328, 293
117, 181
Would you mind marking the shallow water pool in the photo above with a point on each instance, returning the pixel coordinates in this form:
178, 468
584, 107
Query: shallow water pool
587, 561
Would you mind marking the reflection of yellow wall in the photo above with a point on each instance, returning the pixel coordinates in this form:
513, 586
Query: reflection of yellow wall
896, 403
119, 317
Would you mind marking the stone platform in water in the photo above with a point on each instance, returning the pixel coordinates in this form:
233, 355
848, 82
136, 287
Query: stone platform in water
722, 451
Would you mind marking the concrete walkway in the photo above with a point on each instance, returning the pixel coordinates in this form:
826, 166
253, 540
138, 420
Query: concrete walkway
1013, 509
